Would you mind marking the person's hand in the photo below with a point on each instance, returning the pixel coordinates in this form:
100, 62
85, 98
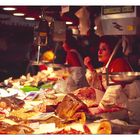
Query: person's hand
87, 63
99, 110
95, 110
87, 60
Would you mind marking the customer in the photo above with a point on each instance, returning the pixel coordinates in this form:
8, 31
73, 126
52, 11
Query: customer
116, 98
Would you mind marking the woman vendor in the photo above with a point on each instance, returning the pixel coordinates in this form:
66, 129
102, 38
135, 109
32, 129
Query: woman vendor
115, 98
77, 68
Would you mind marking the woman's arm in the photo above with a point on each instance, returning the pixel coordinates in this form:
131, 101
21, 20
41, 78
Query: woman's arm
113, 100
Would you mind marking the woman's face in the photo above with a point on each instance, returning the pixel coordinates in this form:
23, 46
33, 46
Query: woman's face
104, 52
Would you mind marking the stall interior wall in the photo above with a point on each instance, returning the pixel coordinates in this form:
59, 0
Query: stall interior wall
15, 44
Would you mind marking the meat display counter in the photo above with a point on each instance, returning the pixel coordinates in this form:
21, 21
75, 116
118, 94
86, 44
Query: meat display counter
33, 105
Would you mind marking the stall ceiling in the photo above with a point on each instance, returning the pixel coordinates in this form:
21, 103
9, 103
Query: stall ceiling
32, 11
36, 11
51, 11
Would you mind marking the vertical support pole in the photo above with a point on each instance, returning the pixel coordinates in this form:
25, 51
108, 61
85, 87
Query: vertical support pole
38, 55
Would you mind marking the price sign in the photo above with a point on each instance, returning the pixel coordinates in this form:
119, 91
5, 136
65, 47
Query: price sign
106, 10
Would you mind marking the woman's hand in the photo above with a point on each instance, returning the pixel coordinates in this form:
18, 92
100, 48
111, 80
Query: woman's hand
88, 64
87, 60
95, 110
99, 110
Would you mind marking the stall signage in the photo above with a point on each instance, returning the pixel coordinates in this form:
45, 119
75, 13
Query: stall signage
106, 10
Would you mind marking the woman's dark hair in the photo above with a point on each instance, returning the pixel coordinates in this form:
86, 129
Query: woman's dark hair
71, 40
112, 41
68, 33
72, 43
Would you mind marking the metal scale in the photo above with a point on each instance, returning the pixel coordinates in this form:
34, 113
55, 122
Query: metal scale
120, 20
56, 30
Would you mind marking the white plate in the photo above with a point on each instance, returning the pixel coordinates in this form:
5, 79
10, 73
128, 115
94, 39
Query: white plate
4, 93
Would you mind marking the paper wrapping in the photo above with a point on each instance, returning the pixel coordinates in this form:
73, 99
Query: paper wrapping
100, 127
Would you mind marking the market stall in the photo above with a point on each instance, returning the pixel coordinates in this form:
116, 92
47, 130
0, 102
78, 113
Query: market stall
44, 104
